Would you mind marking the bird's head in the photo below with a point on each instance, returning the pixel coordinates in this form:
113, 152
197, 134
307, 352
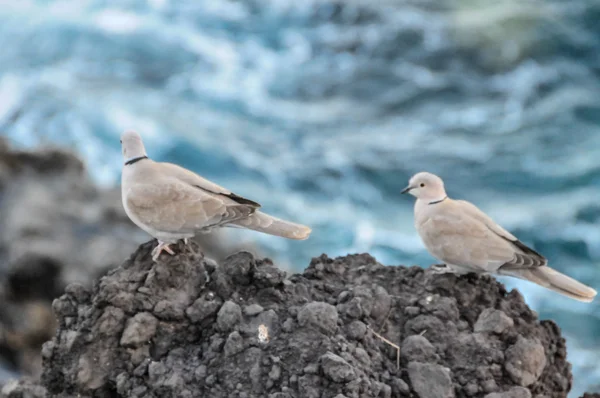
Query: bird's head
426, 186
132, 146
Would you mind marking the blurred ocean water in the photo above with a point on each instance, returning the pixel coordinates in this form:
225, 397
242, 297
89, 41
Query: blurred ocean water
321, 110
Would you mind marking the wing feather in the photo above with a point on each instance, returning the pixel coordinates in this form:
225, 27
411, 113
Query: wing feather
174, 206
463, 235
525, 257
193, 179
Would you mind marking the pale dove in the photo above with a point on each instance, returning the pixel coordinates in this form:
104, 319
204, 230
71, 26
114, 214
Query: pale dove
172, 203
467, 240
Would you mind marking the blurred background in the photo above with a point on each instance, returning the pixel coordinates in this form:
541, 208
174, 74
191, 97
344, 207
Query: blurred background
318, 109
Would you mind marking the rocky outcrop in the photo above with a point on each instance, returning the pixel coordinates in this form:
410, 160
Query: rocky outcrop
56, 228
346, 327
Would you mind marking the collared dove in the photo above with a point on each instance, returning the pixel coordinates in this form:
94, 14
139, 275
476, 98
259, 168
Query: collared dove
467, 240
172, 203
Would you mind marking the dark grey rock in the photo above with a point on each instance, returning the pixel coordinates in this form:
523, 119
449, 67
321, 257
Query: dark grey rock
24, 388
288, 325
525, 361
356, 330
214, 350
204, 307
489, 386
275, 373
399, 387
320, 315
111, 322
384, 391
234, 344
170, 310
362, 356
382, 303
471, 389
239, 267
412, 311
280, 395
253, 309
229, 315
354, 308
515, 392
466, 346
437, 330
268, 276
336, 369
493, 320
430, 380
418, 349
139, 329
308, 386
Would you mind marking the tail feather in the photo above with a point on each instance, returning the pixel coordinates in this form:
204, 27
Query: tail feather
554, 280
267, 224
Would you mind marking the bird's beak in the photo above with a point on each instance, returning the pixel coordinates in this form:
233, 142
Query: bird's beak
406, 190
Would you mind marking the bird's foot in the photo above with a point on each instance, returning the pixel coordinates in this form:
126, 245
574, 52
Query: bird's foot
162, 246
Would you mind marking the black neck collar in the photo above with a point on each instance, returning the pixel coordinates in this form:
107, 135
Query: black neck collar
132, 161
438, 201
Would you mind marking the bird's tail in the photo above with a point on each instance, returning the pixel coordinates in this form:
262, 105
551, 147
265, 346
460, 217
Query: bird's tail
554, 280
273, 226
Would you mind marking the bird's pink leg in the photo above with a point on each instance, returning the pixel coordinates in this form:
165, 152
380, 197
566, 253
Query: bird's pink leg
162, 246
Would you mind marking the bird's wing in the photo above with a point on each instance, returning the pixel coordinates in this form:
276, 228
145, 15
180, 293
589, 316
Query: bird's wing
525, 256
195, 180
456, 237
170, 205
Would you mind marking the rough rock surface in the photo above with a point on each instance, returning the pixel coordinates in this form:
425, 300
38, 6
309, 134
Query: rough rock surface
24, 388
56, 228
185, 328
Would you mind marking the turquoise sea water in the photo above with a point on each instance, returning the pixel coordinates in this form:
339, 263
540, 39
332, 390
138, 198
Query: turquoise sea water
321, 111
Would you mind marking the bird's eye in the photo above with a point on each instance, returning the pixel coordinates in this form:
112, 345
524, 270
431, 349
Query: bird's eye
422, 185
121, 141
